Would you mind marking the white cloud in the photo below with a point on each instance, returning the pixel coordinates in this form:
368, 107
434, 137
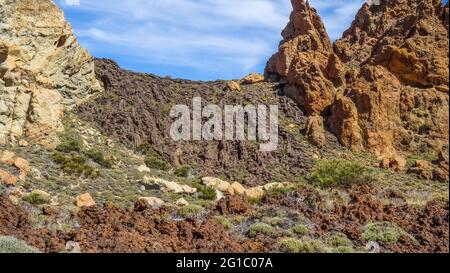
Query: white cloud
72, 2
232, 36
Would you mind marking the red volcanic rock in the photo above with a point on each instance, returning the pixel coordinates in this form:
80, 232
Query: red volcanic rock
385, 82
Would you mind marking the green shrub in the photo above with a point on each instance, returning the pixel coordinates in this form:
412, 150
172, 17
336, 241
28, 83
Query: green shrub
155, 163
343, 249
36, 198
145, 148
11, 245
68, 145
254, 200
226, 223
98, 157
74, 165
191, 211
274, 221
300, 230
385, 232
333, 173
183, 171
304, 245
338, 240
208, 193
279, 191
262, 228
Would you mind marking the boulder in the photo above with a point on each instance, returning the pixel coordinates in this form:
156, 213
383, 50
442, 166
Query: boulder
422, 168
7, 158
315, 131
235, 204
236, 188
255, 192
233, 86
152, 202
7, 178
216, 183
84, 200
253, 78
23, 143
182, 202
73, 247
169, 186
396, 163
143, 169
23, 166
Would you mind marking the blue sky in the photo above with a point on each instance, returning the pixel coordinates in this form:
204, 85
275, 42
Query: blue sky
193, 39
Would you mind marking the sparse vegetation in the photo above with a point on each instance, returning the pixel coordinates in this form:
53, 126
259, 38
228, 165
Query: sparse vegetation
208, 193
254, 200
36, 198
385, 232
262, 228
303, 245
99, 157
338, 240
155, 163
12, 245
279, 191
183, 171
191, 211
300, 230
226, 223
69, 144
74, 164
334, 173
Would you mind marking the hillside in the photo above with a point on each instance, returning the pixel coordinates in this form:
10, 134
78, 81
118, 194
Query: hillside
88, 164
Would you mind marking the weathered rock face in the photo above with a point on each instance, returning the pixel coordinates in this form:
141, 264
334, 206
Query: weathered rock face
42, 69
306, 61
385, 81
400, 86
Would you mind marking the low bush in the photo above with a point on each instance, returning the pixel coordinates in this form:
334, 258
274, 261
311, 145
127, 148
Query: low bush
68, 145
280, 191
225, 222
191, 211
254, 200
208, 193
304, 245
11, 245
73, 164
338, 241
385, 232
155, 163
300, 230
334, 173
98, 157
36, 198
262, 228
183, 171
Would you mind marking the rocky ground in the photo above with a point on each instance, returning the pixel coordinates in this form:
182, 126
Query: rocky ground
87, 163
97, 192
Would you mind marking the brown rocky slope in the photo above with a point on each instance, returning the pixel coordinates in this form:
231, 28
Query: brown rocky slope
135, 108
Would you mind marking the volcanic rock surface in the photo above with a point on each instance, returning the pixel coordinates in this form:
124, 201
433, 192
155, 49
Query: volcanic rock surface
382, 87
134, 109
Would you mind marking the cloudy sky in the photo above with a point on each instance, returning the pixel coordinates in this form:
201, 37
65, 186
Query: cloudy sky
194, 39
